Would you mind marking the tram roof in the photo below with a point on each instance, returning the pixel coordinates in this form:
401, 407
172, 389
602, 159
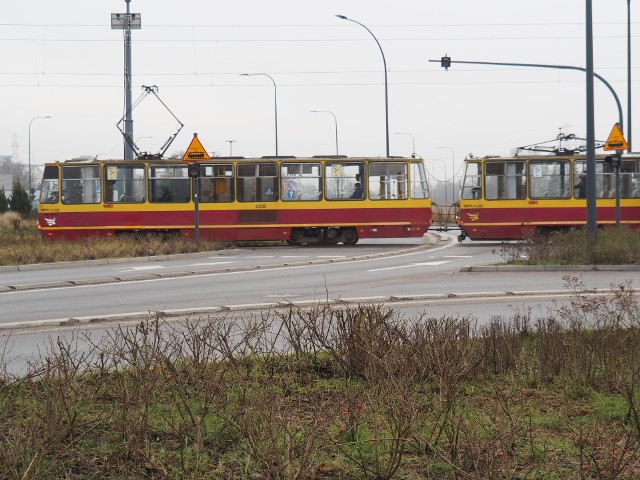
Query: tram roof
314, 158
550, 158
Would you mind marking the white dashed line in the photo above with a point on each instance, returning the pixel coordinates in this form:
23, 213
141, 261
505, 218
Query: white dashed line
427, 264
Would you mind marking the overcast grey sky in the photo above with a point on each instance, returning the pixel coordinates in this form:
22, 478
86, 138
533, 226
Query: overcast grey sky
63, 59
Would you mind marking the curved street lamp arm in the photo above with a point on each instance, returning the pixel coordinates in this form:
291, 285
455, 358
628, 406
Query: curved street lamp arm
384, 62
275, 99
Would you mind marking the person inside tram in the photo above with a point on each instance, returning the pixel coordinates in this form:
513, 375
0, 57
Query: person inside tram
166, 196
581, 186
358, 191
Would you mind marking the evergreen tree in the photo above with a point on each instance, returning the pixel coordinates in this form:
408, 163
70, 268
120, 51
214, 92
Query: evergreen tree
19, 201
4, 203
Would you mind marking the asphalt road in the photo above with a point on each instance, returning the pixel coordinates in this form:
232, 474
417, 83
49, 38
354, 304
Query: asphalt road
435, 275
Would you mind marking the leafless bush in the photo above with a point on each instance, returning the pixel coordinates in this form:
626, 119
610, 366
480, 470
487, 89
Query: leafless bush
330, 391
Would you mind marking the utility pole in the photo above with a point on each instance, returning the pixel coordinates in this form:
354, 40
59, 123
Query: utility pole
126, 22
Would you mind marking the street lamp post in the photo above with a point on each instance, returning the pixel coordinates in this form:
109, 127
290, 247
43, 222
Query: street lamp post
453, 169
629, 75
386, 90
275, 99
413, 142
335, 119
230, 147
32, 120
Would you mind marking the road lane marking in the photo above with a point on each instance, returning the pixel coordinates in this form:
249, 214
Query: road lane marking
425, 264
204, 264
144, 267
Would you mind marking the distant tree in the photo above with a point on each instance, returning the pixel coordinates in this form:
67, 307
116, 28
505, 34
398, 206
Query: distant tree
176, 155
4, 203
19, 201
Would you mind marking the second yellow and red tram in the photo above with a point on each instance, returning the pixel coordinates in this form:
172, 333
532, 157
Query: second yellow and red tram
510, 198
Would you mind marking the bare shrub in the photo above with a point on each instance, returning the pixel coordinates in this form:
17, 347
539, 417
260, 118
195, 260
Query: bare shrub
336, 392
606, 452
613, 246
10, 219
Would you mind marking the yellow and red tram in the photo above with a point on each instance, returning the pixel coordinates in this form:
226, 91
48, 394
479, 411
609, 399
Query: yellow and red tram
510, 198
299, 200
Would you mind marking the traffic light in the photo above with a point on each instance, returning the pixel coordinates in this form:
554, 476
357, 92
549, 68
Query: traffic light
194, 170
445, 62
613, 160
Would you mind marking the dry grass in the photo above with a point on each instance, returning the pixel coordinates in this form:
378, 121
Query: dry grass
22, 245
357, 393
613, 246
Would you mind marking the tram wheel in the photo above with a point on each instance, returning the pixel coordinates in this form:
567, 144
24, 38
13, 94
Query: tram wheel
295, 238
350, 236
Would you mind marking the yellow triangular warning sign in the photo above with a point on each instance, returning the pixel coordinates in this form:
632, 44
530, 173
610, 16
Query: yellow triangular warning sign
195, 152
616, 140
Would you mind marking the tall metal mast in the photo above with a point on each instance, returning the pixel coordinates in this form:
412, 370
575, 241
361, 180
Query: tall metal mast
126, 22
128, 121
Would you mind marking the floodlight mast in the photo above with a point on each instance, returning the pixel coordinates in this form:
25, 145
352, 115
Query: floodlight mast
126, 22
128, 121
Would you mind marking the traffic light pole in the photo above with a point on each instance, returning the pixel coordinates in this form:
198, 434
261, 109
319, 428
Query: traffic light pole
196, 209
194, 173
446, 61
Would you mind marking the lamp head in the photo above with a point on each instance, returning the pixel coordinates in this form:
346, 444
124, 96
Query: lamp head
342, 17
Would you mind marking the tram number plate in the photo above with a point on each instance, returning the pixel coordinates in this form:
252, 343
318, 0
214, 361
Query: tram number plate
261, 205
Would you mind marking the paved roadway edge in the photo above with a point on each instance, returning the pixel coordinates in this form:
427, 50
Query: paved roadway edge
433, 239
177, 314
133, 316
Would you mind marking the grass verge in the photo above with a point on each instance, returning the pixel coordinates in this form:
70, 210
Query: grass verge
340, 393
611, 246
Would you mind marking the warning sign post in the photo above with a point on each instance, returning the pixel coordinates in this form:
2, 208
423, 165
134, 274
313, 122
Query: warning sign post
616, 140
195, 152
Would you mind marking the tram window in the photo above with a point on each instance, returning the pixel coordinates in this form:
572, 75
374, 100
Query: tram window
605, 178
168, 183
49, 190
387, 181
631, 185
80, 184
300, 181
340, 179
418, 177
471, 185
629, 179
257, 182
549, 179
124, 184
216, 183
505, 180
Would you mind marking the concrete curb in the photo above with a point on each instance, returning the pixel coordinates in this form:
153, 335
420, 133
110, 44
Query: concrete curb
277, 305
552, 268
